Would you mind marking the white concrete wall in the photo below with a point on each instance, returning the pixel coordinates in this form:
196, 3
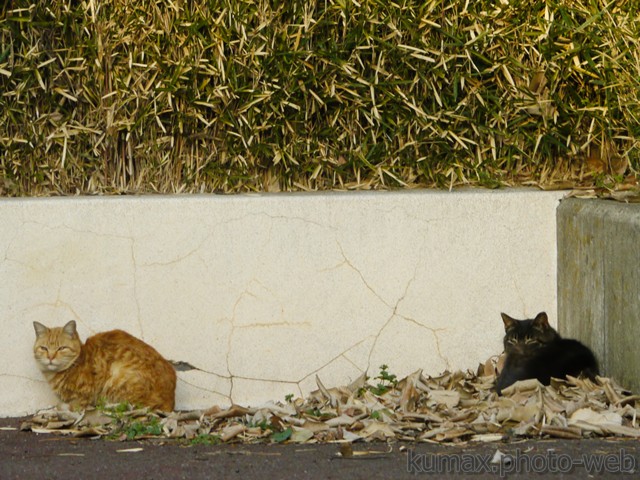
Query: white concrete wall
262, 292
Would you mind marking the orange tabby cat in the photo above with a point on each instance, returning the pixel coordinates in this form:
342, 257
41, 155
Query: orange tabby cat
113, 366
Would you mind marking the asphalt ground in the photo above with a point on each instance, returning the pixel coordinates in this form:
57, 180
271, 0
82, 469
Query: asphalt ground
28, 455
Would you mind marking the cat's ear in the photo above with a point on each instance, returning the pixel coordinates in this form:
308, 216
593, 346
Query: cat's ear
508, 321
541, 320
70, 328
40, 329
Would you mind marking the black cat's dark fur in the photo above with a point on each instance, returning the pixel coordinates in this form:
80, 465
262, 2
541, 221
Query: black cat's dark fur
535, 350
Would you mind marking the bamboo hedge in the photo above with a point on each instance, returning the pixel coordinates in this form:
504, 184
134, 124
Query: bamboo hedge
133, 96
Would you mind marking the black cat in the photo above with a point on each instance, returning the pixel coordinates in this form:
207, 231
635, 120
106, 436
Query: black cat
535, 350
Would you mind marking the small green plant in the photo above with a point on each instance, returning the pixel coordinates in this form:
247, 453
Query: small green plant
138, 428
385, 381
282, 436
608, 182
277, 435
288, 398
262, 425
123, 423
116, 411
314, 412
206, 439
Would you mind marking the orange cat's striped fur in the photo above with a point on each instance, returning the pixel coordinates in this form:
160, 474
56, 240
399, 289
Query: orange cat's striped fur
112, 366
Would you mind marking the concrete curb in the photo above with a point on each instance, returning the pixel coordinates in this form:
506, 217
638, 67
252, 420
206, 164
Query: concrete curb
599, 282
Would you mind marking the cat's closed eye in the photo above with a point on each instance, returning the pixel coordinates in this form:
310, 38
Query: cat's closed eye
530, 341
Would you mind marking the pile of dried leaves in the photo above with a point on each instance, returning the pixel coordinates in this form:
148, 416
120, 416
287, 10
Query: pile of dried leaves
453, 407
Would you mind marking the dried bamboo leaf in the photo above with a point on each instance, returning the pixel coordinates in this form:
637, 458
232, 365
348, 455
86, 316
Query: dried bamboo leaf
562, 432
449, 398
588, 416
375, 430
231, 431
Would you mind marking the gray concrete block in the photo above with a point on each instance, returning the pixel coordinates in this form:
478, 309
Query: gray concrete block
599, 282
